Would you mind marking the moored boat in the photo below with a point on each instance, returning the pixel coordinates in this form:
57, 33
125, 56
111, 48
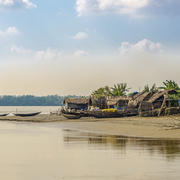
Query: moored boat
71, 115
4, 114
26, 114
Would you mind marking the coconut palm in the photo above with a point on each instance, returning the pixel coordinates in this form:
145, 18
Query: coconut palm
153, 88
102, 92
170, 85
120, 89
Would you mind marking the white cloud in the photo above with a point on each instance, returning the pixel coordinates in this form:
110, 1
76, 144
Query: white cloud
80, 53
20, 50
118, 6
10, 31
47, 55
80, 35
141, 47
133, 7
17, 4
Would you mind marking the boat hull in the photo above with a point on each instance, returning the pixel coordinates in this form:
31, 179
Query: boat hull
71, 116
28, 114
4, 114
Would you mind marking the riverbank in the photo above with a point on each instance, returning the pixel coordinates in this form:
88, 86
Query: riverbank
156, 127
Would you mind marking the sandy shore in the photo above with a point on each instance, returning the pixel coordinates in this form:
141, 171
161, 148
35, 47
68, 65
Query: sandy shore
156, 127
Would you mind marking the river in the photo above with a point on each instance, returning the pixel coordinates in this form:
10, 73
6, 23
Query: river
46, 151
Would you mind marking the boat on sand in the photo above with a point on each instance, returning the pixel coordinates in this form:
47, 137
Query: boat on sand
26, 114
71, 115
4, 114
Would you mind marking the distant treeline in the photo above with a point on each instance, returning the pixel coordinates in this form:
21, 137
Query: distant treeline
31, 100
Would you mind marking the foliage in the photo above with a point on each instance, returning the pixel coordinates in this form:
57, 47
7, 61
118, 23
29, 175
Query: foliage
153, 88
117, 90
120, 89
31, 100
102, 92
170, 85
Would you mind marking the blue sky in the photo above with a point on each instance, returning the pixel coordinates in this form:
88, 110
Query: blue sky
75, 46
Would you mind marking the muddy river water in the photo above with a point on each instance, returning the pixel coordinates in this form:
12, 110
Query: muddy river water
42, 151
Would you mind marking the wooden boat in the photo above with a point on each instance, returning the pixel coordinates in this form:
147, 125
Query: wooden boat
71, 115
5, 114
27, 114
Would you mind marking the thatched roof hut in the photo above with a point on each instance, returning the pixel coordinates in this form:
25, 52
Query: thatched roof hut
97, 102
117, 100
108, 101
145, 96
140, 97
137, 95
76, 103
113, 100
82, 101
160, 95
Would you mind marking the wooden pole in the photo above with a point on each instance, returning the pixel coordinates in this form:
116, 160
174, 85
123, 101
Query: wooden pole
162, 105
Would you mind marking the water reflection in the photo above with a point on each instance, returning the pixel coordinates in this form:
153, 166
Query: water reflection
167, 147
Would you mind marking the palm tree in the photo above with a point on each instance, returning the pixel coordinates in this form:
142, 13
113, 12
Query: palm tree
120, 89
170, 85
153, 88
146, 88
102, 92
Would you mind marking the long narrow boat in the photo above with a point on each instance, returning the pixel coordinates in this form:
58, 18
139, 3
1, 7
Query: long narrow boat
5, 114
71, 115
27, 114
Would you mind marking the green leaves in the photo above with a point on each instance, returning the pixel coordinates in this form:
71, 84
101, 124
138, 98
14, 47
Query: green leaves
120, 89
102, 92
153, 88
117, 90
170, 85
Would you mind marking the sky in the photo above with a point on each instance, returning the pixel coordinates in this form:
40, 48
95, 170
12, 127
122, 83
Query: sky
76, 46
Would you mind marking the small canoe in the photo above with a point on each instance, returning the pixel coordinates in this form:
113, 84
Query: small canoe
27, 114
5, 114
71, 116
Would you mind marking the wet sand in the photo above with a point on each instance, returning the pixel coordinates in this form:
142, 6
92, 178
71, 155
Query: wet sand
156, 127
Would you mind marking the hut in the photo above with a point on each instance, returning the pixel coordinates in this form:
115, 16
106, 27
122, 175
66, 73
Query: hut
97, 102
138, 98
76, 103
158, 98
120, 102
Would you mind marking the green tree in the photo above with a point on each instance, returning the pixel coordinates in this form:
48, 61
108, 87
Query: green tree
170, 85
102, 92
120, 89
153, 88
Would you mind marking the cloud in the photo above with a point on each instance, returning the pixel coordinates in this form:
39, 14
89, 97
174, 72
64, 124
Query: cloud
132, 7
117, 6
47, 55
80, 53
4, 4
19, 50
80, 35
141, 47
10, 31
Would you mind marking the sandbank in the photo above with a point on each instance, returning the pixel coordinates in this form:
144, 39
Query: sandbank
155, 127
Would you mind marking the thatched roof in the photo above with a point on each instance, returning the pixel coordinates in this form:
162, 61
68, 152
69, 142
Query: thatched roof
76, 100
145, 96
159, 94
94, 101
112, 100
137, 95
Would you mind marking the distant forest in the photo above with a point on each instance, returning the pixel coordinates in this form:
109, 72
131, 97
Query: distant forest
31, 100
